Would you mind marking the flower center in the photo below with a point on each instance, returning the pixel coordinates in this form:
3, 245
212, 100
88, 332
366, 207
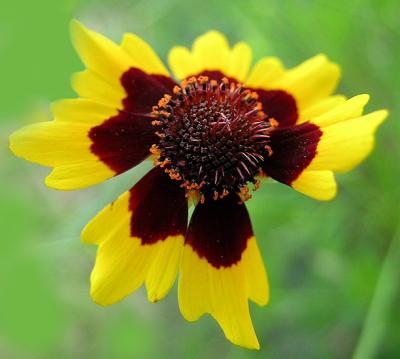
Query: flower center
213, 137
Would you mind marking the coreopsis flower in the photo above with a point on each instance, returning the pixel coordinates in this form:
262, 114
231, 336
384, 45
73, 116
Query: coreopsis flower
215, 131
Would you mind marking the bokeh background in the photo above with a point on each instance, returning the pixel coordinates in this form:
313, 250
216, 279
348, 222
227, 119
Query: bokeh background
334, 267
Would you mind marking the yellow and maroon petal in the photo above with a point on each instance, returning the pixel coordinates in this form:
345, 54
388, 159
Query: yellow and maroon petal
211, 53
140, 238
345, 144
305, 156
109, 130
309, 82
277, 103
88, 142
222, 268
293, 149
99, 54
106, 62
347, 136
64, 144
124, 140
143, 55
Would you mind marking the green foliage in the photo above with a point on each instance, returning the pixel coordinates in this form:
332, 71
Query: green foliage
327, 262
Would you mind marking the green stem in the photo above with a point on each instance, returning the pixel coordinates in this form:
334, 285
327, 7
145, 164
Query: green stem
382, 301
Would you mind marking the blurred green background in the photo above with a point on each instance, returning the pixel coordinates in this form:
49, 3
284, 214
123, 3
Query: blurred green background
334, 267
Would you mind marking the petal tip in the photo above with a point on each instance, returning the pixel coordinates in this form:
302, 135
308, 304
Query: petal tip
79, 34
19, 143
264, 301
54, 183
153, 297
12, 143
383, 114
86, 237
211, 36
101, 302
363, 98
330, 196
214, 32
250, 343
76, 26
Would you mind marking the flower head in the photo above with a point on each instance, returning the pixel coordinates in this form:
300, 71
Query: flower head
215, 132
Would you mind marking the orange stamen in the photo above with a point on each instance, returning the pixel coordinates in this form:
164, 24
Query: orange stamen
273, 122
269, 150
164, 101
225, 192
214, 83
203, 79
164, 163
244, 194
164, 113
174, 175
154, 150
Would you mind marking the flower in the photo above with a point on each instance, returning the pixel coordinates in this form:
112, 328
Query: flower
212, 130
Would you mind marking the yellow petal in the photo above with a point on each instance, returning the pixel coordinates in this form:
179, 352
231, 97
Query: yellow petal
320, 185
99, 54
349, 109
89, 85
121, 266
106, 62
266, 72
143, 55
164, 268
256, 276
345, 144
224, 292
65, 146
81, 111
210, 52
308, 82
182, 62
124, 263
109, 220
77, 175
321, 107
240, 61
